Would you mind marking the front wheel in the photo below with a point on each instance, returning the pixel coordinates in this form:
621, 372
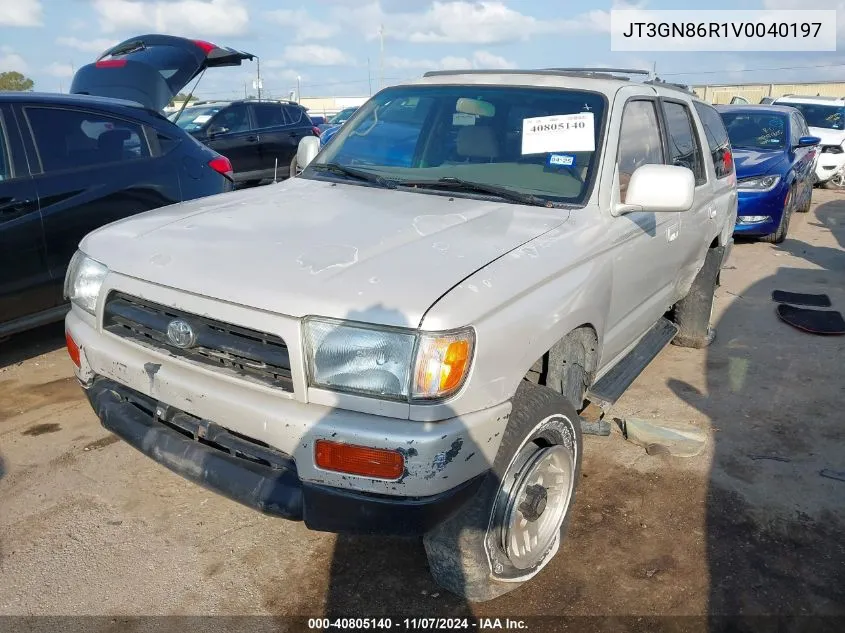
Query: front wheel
837, 182
513, 527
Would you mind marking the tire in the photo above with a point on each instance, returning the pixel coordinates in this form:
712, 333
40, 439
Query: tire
694, 312
783, 227
808, 204
467, 553
836, 183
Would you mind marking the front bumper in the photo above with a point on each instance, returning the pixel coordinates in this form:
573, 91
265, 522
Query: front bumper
764, 203
258, 476
828, 165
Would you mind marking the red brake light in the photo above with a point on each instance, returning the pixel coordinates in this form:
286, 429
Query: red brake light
316, 130
728, 159
222, 166
206, 47
111, 63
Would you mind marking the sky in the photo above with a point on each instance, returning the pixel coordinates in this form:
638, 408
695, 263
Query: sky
333, 46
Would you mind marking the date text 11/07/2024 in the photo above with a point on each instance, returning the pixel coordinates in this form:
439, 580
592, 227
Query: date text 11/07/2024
417, 624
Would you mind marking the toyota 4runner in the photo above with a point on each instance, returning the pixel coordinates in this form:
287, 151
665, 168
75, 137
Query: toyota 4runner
400, 339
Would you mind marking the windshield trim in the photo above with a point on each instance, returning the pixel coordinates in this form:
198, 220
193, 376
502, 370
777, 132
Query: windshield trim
590, 185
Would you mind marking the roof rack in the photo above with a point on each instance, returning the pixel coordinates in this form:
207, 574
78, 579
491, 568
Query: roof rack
600, 73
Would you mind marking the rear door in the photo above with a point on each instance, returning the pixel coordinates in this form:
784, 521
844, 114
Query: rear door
92, 168
151, 69
231, 133
718, 145
280, 128
24, 278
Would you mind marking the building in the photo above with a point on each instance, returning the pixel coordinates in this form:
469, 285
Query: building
329, 106
754, 92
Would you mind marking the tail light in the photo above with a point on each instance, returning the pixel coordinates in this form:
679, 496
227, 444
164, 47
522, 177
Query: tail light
111, 63
316, 131
222, 166
206, 47
728, 159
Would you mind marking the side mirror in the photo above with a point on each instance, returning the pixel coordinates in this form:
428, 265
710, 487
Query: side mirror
308, 148
217, 130
808, 141
659, 188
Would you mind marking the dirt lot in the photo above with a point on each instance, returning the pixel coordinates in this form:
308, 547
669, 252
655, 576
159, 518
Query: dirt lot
89, 526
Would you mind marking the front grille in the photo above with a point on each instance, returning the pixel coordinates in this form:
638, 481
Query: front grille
250, 354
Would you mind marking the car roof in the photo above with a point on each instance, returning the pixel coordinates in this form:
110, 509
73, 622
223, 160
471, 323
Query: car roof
757, 109
819, 100
602, 80
73, 99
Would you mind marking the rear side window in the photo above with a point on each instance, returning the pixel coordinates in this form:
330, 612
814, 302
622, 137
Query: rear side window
639, 141
268, 115
684, 148
293, 114
69, 139
717, 139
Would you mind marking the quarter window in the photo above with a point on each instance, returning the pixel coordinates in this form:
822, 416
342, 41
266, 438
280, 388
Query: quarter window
717, 139
639, 141
293, 114
69, 139
684, 148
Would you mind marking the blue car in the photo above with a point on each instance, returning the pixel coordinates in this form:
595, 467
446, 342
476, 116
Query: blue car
775, 158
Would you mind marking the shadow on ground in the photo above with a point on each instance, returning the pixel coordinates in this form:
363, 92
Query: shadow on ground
26, 345
774, 525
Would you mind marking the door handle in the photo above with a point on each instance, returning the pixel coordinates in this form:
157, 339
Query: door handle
14, 205
251, 139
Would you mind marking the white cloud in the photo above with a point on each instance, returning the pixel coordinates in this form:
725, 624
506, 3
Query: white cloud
304, 26
313, 55
10, 60
20, 13
462, 21
479, 60
97, 45
59, 70
203, 18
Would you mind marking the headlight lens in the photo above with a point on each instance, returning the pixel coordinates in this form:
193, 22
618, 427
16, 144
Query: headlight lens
386, 362
758, 183
83, 281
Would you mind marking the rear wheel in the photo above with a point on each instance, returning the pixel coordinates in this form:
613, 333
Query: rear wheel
513, 527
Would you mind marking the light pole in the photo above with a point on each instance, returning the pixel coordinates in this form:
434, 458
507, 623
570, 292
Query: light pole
381, 57
298, 89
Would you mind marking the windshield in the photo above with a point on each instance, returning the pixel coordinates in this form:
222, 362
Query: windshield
756, 131
824, 116
193, 119
343, 115
535, 141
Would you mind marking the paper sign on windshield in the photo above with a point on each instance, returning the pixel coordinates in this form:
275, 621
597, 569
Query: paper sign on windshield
203, 118
559, 133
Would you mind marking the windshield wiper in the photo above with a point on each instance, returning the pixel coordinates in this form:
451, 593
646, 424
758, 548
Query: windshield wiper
450, 182
358, 174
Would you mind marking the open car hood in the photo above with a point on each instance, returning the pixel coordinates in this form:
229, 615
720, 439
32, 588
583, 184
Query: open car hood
151, 69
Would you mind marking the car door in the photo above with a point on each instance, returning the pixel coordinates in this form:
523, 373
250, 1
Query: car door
92, 168
278, 137
684, 148
644, 244
231, 133
24, 276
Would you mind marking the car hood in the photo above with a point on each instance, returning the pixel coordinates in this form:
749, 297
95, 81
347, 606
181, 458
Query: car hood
828, 136
151, 69
756, 162
307, 247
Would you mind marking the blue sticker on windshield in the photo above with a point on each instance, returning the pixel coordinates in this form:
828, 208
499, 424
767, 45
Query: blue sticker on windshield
558, 161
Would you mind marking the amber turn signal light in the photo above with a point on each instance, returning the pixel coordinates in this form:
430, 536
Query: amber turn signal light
359, 460
72, 349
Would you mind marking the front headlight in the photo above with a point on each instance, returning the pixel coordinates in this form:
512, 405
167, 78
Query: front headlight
83, 281
391, 363
758, 183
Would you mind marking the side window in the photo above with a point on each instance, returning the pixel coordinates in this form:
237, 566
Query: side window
268, 115
234, 119
69, 139
684, 149
639, 141
5, 159
717, 139
293, 114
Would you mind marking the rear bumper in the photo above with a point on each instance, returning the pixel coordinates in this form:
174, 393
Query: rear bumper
257, 476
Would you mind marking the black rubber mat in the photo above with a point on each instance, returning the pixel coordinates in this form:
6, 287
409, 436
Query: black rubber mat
801, 299
813, 321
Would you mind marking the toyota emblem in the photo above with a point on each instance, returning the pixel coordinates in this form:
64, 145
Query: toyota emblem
181, 334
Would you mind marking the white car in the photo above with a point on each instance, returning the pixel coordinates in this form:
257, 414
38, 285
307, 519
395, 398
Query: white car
826, 118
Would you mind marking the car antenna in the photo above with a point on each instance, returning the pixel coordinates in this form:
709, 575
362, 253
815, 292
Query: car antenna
190, 94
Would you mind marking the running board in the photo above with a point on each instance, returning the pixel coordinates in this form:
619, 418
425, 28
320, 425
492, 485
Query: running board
614, 383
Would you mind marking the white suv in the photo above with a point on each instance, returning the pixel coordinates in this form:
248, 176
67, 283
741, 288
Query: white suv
826, 118
400, 339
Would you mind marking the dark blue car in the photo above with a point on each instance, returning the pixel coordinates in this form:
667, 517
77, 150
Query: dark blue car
775, 157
